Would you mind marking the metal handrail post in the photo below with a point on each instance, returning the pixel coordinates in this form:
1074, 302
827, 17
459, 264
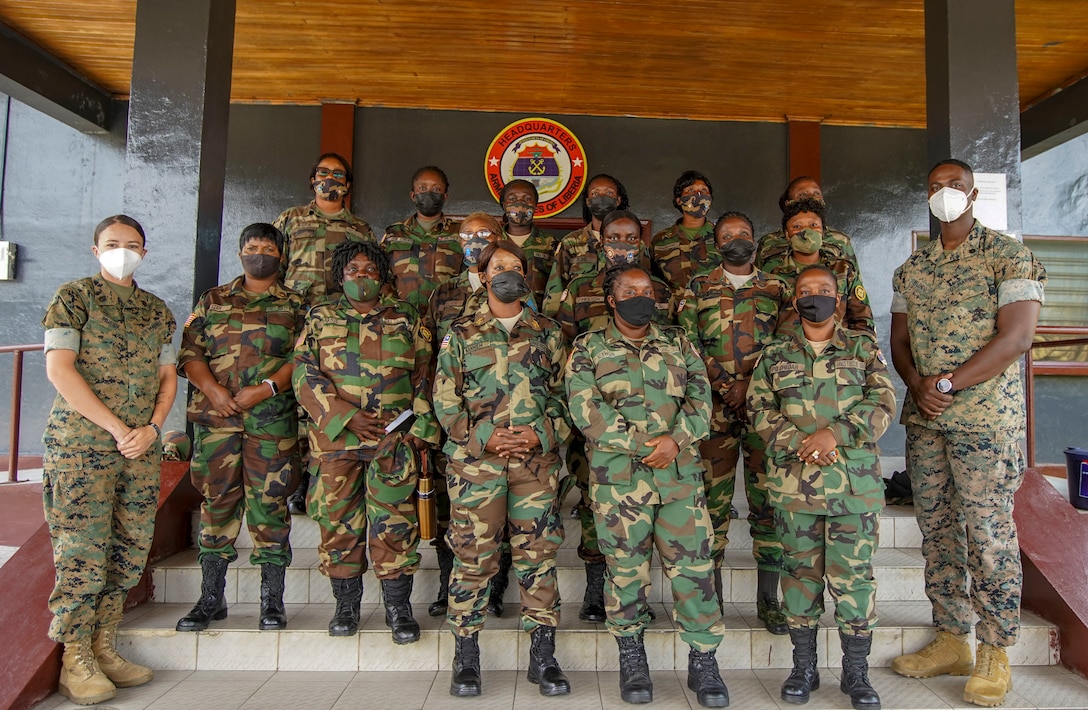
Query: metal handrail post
16, 412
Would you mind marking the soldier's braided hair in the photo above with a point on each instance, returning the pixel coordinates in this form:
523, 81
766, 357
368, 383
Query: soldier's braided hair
351, 249
733, 214
613, 275
431, 169
805, 204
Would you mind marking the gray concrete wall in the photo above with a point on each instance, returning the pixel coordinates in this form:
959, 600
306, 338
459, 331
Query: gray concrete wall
60, 183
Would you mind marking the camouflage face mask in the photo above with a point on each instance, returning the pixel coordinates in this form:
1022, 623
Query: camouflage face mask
330, 189
697, 205
520, 213
807, 242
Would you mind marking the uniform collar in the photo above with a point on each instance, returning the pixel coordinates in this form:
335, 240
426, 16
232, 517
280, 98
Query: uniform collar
970, 245
798, 341
444, 225
528, 319
343, 215
276, 290
105, 294
613, 334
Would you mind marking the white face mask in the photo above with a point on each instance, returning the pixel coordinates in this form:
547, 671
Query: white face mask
948, 203
119, 263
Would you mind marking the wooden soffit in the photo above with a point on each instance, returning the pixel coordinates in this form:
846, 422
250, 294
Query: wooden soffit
849, 62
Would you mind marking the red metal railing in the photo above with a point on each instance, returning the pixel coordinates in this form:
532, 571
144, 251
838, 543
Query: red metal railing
16, 404
1034, 367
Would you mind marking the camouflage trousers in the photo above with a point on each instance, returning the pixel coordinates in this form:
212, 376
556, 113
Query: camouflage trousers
578, 466
836, 548
720, 455
363, 497
483, 509
100, 508
963, 485
240, 471
682, 533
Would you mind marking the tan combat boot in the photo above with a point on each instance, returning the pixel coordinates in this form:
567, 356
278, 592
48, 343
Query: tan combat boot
123, 672
947, 654
992, 677
81, 680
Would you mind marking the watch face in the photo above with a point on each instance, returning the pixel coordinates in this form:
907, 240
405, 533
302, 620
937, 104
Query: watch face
944, 385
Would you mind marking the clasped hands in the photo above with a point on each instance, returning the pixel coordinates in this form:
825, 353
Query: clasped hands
819, 448
930, 401
227, 405
511, 441
368, 425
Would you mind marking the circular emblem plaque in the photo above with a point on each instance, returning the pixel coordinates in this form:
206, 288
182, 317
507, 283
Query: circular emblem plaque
545, 153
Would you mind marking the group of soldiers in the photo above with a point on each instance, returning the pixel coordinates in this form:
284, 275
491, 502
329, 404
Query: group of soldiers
340, 369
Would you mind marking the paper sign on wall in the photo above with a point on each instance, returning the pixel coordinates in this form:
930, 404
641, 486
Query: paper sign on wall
991, 205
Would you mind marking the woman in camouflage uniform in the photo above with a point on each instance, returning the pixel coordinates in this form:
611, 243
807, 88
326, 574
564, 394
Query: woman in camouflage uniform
108, 352
498, 395
821, 399
639, 393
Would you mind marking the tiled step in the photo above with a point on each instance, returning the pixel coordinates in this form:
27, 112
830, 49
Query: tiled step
899, 575
236, 644
1035, 687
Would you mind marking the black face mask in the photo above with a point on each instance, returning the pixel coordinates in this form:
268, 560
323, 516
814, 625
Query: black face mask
520, 213
738, 252
637, 311
815, 308
260, 266
429, 204
509, 286
601, 205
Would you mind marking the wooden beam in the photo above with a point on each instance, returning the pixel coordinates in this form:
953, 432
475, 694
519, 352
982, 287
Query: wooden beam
338, 133
40, 80
1059, 117
804, 148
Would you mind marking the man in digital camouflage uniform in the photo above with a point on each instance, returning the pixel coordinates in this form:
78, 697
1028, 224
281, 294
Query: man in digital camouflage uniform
518, 201
803, 222
499, 396
579, 252
774, 244
361, 362
424, 249
964, 311
237, 352
640, 395
312, 232
108, 351
731, 314
821, 399
687, 247
582, 307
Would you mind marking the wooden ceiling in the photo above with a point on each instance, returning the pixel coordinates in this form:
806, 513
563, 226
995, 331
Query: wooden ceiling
852, 62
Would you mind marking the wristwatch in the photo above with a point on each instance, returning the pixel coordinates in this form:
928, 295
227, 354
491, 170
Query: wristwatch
944, 385
271, 385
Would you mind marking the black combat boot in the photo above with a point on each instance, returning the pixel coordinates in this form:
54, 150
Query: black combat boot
855, 672
804, 677
397, 595
593, 606
273, 615
635, 684
296, 502
543, 668
499, 583
465, 681
768, 609
445, 565
349, 596
705, 679
212, 605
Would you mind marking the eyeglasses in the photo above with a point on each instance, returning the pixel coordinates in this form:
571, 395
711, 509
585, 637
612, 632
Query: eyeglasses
325, 172
482, 233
